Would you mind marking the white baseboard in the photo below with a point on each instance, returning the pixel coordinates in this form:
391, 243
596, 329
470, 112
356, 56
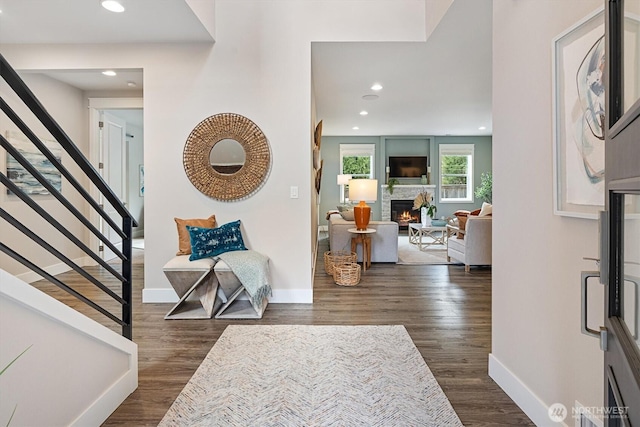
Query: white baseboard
168, 295
55, 269
159, 295
292, 296
526, 399
99, 410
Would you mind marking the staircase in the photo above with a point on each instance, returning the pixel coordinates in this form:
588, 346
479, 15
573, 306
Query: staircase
62, 368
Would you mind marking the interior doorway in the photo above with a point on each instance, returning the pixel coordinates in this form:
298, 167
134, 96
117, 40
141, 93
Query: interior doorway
117, 140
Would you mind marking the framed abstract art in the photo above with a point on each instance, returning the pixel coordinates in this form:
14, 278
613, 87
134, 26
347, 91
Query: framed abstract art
579, 98
21, 177
579, 112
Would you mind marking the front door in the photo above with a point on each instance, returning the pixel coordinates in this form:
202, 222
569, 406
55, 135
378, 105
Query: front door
621, 247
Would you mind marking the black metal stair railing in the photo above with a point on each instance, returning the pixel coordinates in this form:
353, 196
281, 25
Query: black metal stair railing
124, 230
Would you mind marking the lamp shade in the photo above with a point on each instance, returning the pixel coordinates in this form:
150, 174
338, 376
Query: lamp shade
344, 179
363, 189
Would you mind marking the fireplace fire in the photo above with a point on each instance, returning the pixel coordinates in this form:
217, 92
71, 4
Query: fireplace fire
403, 213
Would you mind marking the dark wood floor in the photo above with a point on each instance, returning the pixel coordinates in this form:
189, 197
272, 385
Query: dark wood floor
446, 311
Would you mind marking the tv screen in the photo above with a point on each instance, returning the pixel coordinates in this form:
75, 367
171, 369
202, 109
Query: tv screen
407, 166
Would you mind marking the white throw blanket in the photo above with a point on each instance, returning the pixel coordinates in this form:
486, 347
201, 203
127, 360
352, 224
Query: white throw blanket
252, 269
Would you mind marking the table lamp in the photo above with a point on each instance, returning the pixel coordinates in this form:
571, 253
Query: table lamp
363, 189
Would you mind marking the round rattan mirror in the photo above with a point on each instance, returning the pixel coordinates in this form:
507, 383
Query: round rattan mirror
227, 186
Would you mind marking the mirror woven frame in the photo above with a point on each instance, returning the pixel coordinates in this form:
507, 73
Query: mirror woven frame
227, 187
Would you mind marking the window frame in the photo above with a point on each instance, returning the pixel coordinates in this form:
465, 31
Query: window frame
359, 150
457, 150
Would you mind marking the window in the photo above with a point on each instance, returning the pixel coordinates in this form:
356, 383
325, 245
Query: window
356, 160
456, 172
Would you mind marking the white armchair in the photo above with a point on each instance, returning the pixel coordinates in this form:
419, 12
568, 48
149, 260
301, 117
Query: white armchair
475, 248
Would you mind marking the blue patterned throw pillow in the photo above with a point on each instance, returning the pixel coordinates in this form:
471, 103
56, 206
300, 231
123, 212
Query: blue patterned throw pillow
210, 242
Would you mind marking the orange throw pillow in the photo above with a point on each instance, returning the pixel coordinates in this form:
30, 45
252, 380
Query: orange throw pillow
462, 221
184, 242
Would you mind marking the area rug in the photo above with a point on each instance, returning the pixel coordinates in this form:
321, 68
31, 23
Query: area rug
410, 254
280, 375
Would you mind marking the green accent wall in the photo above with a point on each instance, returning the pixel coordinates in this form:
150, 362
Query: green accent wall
398, 146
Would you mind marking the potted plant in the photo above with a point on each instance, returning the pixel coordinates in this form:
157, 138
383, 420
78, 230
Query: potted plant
423, 203
485, 190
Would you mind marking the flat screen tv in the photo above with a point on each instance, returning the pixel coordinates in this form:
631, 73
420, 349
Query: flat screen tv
407, 166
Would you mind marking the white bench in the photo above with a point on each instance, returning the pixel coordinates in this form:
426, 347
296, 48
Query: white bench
206, 287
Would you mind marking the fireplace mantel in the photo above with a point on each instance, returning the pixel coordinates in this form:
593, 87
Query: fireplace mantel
401, 192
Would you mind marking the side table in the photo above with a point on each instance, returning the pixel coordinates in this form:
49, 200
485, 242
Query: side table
363, 237
196, 286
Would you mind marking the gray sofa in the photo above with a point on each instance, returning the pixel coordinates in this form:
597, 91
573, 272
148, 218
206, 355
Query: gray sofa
384, 242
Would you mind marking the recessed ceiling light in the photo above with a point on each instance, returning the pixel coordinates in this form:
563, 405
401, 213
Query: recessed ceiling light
370, 97
131, 84
112, 6
355, 128
363, 113
109, 73
482, 128
376, 86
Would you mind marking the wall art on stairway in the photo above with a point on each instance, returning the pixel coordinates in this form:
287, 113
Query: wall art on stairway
21, 177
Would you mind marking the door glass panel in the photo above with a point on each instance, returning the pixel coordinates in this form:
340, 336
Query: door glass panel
631, 265
631, 55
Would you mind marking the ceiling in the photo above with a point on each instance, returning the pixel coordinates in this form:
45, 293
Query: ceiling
85, 21
438, 87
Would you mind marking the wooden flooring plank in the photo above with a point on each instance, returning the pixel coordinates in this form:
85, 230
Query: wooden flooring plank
446, 311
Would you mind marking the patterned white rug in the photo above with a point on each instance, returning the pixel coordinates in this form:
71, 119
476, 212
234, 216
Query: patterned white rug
312, 376
411, 254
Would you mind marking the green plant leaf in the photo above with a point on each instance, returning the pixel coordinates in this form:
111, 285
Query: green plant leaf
485, 189
12, 414
17, 357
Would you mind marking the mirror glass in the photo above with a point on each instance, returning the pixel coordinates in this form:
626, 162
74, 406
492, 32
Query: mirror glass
227, 156
630, 295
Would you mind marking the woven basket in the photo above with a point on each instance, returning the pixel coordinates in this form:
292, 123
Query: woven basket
332, 258
346, 274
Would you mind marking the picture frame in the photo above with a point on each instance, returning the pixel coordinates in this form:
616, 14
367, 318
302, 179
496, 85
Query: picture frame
578, 118
578, 114
21, 177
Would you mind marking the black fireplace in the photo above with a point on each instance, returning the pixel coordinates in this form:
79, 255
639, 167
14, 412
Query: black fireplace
403, 213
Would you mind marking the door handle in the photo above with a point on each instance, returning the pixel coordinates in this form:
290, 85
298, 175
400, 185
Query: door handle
586, 275
585, 329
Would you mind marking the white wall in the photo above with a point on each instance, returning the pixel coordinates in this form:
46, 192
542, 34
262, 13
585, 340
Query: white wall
539, 355
74, 371
67, 105
260, 67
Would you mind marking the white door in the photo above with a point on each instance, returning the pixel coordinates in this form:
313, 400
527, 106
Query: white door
114, 172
